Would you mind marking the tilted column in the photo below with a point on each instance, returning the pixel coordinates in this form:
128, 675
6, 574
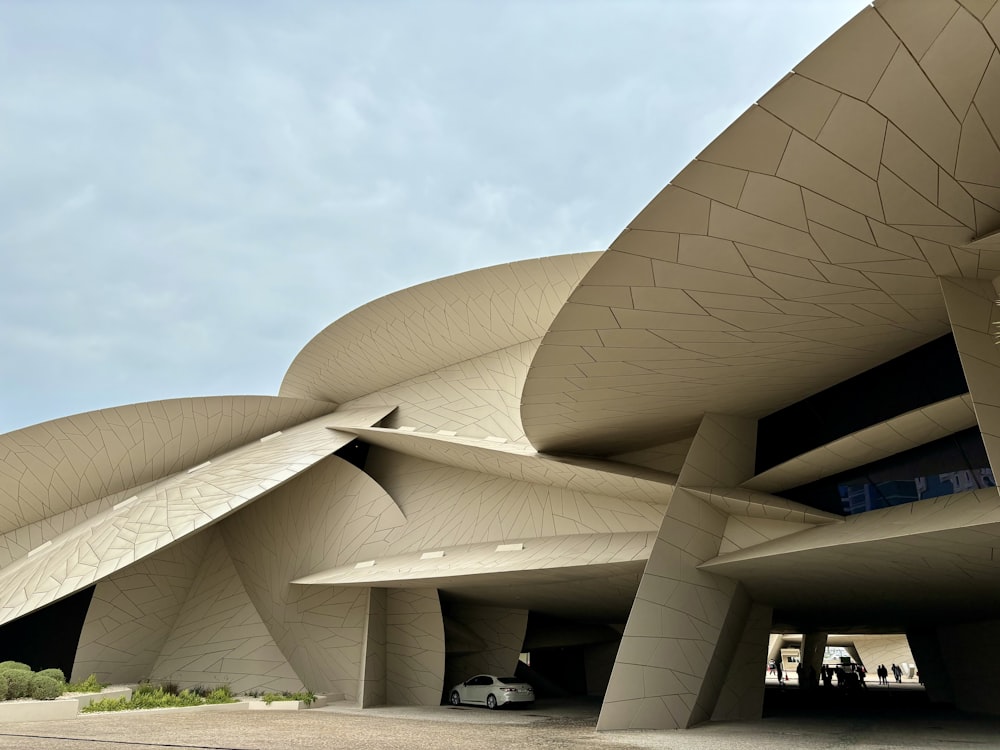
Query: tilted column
742, 694
974, 319
931, 664
494, 639
686, 625
372, 690
969, 654
811, 655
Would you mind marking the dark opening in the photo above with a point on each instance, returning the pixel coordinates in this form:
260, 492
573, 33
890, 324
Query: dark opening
925, 375
952, 464
355, 453
47, 637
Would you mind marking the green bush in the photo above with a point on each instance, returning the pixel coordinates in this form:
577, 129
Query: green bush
18, 683
14, 665
3, 686
158, 697
306, 696
55, 674
106, 704
45, 688
167, 688
90, 685
220, 695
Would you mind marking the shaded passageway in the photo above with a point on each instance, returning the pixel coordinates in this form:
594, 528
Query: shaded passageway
893, 701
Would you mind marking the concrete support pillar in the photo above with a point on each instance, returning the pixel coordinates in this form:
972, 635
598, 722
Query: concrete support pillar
974, 319
970, 657
371, 687
687, 625
483, 640
742, 695
811, 658
414, 648
403, 650
775, 643
933, 668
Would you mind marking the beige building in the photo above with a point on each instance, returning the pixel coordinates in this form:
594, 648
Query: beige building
771, 406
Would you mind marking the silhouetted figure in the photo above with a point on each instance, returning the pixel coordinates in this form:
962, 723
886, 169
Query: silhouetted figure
883, 674
852, 681
827, 674
781, 676
897, 672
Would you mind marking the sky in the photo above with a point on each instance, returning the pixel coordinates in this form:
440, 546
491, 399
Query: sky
190, 191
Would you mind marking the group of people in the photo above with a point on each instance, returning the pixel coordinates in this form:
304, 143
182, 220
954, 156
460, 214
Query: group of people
847, 676
883, 674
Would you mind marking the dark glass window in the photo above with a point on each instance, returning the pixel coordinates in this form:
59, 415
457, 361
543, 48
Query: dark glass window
925, 375
953, 464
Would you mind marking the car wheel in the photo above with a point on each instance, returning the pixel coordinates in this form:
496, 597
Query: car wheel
491, 702
456, 699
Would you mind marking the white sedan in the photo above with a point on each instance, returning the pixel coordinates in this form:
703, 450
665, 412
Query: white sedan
487, 690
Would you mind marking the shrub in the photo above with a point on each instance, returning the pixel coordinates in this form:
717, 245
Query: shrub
160, 698
220, 695
90, 685
55, 674
3, 686
18, 683
306, 696
171, 688
144, 687
157, 697
45, 688
14, 665
106, 704
166, 688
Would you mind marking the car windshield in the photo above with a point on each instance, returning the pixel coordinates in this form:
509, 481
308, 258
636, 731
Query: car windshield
509, 680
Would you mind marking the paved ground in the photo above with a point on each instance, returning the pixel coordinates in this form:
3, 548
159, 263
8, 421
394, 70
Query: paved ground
865, 725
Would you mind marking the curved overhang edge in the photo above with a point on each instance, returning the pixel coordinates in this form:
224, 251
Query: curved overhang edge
432, 325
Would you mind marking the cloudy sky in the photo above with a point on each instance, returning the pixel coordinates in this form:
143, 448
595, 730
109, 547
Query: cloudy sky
189, 191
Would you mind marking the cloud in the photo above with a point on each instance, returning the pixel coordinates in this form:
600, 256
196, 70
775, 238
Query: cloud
191, 191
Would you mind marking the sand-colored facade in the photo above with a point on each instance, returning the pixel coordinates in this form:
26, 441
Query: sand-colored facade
566, 456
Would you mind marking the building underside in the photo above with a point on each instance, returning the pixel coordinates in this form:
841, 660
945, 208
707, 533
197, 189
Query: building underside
772, 405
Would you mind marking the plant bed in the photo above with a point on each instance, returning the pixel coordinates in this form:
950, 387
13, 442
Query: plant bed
146, 697
287, 701
64, 707
85, 699
30, 710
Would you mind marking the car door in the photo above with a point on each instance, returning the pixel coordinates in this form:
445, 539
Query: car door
477, 687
